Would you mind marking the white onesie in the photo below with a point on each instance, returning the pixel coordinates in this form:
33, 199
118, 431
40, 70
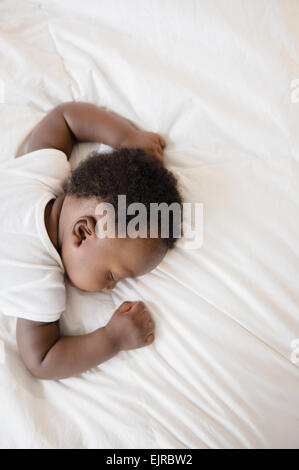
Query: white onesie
31, 271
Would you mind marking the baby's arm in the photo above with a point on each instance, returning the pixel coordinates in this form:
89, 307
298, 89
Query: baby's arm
50, 356
73, 122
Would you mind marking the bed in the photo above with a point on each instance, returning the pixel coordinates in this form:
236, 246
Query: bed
220, 81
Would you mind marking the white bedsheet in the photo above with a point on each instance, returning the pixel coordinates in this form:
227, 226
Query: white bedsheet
218, 80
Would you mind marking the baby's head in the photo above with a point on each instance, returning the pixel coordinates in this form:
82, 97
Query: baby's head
93, 263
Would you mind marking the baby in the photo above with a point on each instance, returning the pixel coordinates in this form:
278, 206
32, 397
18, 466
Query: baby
48, 234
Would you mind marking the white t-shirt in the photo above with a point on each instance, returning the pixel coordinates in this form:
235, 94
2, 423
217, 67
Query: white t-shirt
31, 271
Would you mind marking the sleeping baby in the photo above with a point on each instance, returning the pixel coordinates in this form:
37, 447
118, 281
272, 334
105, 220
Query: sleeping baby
49, 234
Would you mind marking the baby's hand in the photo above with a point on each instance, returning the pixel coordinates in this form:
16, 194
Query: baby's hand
130, 326
150, 142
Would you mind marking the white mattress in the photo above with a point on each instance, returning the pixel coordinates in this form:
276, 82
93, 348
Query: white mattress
218, 80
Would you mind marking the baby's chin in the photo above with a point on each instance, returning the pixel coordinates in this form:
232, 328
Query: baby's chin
69, 281
84, 288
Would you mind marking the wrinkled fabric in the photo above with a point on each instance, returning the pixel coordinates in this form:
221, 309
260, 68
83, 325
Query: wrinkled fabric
219, 81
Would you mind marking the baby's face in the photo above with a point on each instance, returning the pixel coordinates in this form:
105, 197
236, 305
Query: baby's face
93, 263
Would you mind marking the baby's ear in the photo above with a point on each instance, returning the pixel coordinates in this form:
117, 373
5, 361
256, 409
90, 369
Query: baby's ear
84, 228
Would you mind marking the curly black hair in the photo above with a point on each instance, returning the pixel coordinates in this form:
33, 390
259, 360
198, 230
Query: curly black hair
129, 171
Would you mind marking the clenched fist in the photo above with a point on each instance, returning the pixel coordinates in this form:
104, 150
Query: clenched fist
130, 326
150, 142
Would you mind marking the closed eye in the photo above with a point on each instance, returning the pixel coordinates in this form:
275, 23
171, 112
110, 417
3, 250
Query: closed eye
110, 277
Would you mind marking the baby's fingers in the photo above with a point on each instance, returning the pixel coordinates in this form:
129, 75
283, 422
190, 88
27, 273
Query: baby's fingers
162, 142
126, 306
158, 155
157, 152
150, 338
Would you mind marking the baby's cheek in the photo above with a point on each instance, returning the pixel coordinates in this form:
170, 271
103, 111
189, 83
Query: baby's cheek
83, 279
